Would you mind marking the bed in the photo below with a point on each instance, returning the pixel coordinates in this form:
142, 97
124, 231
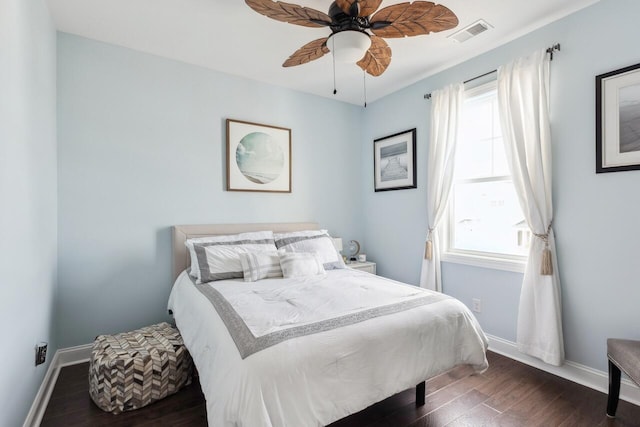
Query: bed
309, 351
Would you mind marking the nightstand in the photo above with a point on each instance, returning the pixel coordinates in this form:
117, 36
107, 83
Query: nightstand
369, 267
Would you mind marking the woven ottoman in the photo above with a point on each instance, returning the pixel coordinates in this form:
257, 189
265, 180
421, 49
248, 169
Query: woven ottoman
133, 369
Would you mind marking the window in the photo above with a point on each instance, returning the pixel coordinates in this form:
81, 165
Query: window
486, 226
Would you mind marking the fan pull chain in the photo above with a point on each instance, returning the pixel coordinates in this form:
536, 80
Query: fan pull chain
333, 55
364, 84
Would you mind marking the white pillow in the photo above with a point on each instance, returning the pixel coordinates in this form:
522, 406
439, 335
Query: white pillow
260, 265
311, 241
259, 241
300, 264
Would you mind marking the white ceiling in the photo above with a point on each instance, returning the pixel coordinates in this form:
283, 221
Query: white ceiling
228, 36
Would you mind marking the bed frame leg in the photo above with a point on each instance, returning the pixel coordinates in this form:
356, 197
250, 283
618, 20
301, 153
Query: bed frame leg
420, 393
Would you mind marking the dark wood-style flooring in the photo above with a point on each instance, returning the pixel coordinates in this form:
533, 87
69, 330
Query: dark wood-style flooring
508, 394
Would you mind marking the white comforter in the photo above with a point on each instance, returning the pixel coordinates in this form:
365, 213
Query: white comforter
316, 379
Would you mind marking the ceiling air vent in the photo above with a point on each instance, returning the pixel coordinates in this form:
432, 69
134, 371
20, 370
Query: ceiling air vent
472, 30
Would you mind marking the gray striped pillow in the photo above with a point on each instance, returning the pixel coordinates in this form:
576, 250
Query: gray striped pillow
311, 241
218, 257
260, 265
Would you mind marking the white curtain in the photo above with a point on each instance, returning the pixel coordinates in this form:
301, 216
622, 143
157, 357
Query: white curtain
523, 87
446, 104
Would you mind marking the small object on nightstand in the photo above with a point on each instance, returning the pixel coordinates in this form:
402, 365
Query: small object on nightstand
368, 266
354, 250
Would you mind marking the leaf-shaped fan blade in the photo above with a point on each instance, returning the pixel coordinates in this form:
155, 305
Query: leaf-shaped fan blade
291, 13
377, 58
412, 19
367, 7
310, 51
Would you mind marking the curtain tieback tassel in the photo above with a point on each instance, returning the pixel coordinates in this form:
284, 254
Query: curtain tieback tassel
546, 264
428, 246
428, 250
546, 268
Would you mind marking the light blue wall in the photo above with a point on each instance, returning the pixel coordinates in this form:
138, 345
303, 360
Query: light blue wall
596, 218
27, 200
142, 147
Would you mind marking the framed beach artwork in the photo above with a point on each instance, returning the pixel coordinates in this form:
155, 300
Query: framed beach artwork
394, 161
258, 157
618, 120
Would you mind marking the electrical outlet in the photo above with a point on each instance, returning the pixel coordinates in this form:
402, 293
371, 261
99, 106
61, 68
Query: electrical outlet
41, 353
476, 305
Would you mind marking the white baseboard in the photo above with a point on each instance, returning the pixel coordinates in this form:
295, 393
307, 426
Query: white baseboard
63, 357
74, 355
571, 371
34, 417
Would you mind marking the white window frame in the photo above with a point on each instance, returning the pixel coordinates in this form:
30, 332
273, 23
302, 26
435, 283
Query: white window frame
492, 260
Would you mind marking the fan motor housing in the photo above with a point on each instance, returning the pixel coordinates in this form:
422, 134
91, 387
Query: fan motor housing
340, 21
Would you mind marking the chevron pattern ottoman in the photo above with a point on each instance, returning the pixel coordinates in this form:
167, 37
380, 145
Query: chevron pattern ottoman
133, 369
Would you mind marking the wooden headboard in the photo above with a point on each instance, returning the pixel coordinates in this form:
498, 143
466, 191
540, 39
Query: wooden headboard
181, 233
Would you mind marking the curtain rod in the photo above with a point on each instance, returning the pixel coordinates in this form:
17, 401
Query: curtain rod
550, 51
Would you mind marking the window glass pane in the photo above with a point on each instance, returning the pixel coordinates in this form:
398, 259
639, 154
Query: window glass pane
500, 166
477, 116
476, 155
497, 128
473, 158
487, 218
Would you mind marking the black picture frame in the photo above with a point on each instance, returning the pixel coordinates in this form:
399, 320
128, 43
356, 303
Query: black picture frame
617, 119
394, 161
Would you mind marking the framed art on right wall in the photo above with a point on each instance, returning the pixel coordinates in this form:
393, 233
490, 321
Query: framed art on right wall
394, 161
618, 120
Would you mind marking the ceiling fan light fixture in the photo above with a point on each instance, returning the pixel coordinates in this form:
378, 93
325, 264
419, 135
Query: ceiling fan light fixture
349, 45
358, 28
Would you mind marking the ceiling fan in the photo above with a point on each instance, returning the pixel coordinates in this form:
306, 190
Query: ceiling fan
358, 28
